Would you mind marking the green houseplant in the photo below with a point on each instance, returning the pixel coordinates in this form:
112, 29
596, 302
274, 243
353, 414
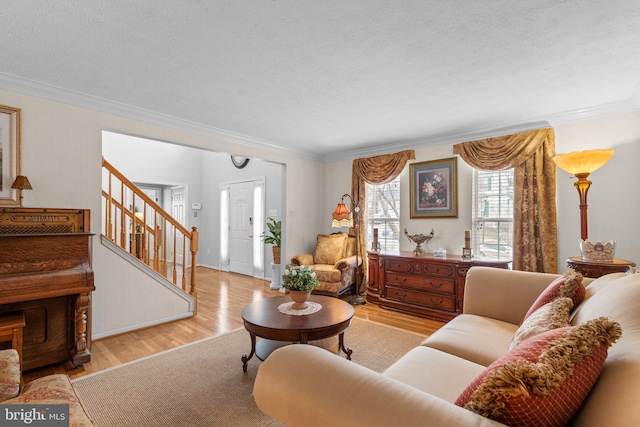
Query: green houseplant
272, 237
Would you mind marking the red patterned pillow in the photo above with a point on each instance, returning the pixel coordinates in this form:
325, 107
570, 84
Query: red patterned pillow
549, 316
569, 285
544, 380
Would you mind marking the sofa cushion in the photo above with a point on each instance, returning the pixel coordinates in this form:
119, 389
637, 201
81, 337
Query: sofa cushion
549, 316
613, 401
479, 339
569, 285
330, 248
544, 380
326, 273
435, 372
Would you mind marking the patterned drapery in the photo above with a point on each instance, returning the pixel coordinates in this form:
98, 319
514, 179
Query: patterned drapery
373, 170
530, 154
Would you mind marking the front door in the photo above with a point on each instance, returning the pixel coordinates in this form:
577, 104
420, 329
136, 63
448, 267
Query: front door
240, 236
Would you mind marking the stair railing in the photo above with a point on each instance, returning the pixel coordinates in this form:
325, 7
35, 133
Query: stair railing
141, 228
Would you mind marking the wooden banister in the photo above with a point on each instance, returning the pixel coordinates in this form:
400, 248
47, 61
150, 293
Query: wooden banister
154, 238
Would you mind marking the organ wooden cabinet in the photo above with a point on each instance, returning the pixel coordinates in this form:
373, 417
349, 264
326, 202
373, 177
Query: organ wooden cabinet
46, 276
425, 285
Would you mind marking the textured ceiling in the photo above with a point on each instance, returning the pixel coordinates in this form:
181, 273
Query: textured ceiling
332, 76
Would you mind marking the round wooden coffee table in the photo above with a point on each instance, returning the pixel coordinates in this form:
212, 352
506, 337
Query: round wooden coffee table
263, 319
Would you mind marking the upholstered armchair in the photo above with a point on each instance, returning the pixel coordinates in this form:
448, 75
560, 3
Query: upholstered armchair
334, 261
50, 390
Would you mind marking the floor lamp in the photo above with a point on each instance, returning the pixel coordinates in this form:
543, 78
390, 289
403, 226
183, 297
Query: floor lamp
343, 217
581, 164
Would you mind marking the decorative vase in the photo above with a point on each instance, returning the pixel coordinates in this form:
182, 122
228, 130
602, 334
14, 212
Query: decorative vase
299, 299
276, 254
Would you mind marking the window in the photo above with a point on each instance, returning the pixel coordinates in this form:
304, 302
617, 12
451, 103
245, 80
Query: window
492, 214
383, 204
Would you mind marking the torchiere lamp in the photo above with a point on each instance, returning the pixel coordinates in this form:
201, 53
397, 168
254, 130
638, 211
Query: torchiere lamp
343, 217
21, 183
581, 164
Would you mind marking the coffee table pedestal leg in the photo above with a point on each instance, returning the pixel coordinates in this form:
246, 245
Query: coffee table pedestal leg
246, 358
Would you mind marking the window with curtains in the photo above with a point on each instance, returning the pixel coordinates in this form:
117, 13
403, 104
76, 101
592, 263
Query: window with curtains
383, 204
492, 214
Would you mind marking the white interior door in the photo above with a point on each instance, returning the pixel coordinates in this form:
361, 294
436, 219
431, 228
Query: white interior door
178, 212
241, 228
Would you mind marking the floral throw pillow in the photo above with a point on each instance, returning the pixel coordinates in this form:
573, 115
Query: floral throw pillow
330, 248
550, 316
543, 381
569, 285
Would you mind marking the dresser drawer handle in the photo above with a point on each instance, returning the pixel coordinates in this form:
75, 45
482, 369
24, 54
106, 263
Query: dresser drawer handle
401, 280
435, 302
438, 286
400, 296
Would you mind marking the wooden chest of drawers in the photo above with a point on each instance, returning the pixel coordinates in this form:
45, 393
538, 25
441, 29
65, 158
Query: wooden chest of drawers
428, 286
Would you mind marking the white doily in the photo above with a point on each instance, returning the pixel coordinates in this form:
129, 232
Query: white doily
312, 307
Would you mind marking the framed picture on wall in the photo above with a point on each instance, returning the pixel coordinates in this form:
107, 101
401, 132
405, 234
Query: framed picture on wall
434, 188
10, 146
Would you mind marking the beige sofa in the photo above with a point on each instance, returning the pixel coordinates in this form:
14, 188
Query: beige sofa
306, 386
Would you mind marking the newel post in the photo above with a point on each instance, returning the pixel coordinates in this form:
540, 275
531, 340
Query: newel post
195, 237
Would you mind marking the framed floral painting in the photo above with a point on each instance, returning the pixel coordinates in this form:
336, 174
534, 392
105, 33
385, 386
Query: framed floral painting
10, 146
434, 188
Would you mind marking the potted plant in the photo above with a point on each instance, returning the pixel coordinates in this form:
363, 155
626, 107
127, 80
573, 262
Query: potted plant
300, 281
272, 237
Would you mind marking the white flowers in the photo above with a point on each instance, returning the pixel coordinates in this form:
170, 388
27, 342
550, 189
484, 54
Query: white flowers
299, 278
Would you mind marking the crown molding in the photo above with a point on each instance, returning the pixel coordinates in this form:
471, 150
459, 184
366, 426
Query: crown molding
54, 93
78, 99
614, 108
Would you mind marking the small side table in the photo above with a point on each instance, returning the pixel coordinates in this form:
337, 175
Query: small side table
11, 325
595, 269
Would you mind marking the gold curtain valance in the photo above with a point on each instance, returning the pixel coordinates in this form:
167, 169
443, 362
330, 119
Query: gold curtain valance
505, 152
382, 169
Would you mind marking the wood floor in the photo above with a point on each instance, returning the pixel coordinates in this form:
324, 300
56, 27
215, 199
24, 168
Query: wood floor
221, 297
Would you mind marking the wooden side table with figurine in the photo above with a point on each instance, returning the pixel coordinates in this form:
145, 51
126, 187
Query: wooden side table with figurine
594, 269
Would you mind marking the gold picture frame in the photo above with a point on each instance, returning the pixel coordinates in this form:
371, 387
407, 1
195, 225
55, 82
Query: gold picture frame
434, 188
10, 154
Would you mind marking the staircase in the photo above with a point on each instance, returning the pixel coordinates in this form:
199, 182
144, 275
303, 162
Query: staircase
146, 233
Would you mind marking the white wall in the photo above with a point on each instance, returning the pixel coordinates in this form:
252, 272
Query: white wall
62, 155
614, 206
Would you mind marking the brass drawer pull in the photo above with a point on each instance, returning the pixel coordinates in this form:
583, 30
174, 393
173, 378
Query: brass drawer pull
400, 296
438, 286
399, 280
435, 302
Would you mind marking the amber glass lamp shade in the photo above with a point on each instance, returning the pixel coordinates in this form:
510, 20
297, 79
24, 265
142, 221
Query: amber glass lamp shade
342, 217
579, 162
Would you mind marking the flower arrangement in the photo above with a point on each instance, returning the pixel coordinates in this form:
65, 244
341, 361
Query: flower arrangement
299, 278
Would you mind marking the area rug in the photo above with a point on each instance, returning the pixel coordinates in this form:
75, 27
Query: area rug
202, 384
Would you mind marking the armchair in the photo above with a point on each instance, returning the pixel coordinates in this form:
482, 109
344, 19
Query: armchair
334, 261
49, 390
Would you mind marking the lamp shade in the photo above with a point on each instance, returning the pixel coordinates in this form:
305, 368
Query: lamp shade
21, 183
583, 161
342, 217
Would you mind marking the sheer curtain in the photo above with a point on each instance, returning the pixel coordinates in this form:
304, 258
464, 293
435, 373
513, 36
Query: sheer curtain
373, 170
530, 154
